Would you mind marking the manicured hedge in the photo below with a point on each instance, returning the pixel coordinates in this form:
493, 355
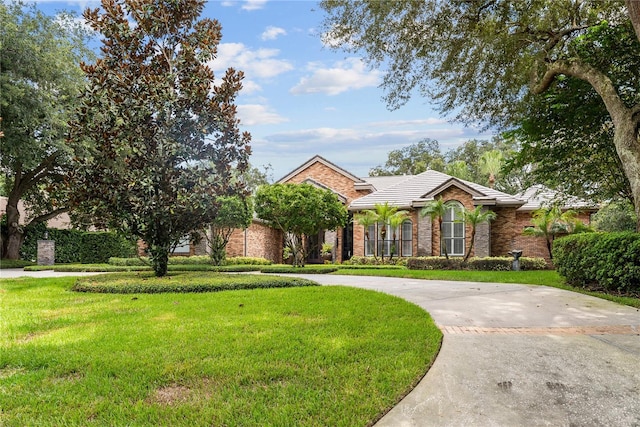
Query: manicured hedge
483, 264
607, 260
298, 270
369, 260
190, 260
75, 246
132, 283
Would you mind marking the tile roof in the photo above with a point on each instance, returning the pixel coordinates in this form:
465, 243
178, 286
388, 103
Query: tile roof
539, 196
417, 190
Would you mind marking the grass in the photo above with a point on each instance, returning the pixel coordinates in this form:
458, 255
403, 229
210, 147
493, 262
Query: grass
311, 356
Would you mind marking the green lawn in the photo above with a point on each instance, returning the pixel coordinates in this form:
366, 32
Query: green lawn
314, 356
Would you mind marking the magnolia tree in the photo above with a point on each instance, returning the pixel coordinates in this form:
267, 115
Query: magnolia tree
299, 211
165, 135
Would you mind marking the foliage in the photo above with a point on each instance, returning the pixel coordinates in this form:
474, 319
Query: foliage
412, 160
76, 246
299, 211
14, 263
39, 85
166, 136
280, 269
615, 216
373, 261
436, 210
474, 218
551, 222
233, 213
483, 61
383, 215
146, 283
315, 355
480, 264
600, 260
100, 268
190, 260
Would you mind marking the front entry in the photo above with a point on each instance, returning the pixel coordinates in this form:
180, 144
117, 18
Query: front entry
347, 239
314, 246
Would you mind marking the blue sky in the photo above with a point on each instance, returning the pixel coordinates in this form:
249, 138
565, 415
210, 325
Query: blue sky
301, 98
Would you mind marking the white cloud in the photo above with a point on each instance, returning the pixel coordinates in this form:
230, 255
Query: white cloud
254, 4
258, 114
272, 33
343, 76
261, 63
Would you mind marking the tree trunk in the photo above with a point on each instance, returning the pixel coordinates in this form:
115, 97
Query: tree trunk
627, 145
15, 233
633, 6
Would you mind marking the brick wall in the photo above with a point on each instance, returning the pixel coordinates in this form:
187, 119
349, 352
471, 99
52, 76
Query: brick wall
532, 246
258, 240
503, 231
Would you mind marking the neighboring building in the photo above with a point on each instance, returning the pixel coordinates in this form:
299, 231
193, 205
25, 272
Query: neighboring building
418, 236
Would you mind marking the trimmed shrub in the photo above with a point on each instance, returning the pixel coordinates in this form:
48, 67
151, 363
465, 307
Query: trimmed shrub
76, 246
481, 264
369, 260
297, 270
239, 260
434, 263
183, 283
602, 260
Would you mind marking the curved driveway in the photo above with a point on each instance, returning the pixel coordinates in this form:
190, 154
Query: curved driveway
519, 355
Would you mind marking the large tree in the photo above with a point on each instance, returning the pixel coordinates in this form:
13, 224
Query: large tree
412, 159
166, 135
40, 79
300, 211
477, 58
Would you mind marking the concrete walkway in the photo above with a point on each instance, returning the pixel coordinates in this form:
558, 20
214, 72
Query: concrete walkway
517, 355
513, 355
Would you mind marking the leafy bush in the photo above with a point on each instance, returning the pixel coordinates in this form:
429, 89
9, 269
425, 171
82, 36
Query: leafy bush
434, 263
10, 263
480, 264
75, 246
369, 260
247, 261
298, 270
146, 282
506, 264
344, 266
607, 260
190, 260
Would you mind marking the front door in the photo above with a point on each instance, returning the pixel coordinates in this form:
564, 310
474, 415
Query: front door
314, 245
347, 239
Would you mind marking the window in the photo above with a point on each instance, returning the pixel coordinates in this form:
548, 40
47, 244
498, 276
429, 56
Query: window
402, 246
407, 238
369, 244
453, 229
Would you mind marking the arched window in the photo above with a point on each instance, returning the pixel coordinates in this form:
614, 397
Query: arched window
453, 229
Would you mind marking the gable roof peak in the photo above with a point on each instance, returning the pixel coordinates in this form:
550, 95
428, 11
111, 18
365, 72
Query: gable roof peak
319, 159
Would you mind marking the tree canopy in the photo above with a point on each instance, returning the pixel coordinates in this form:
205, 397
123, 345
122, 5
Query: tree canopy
40, 80
299, 211
481, 60
167, 140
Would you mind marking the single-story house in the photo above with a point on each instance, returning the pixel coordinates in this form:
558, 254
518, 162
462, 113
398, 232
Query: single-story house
418, 236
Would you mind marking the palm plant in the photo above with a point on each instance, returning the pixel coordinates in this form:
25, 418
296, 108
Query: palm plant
366, 219
395, 221
550, 222
491, 164
474, 218
436, 210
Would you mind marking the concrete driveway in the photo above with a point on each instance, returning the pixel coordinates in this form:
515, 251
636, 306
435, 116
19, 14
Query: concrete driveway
518, 355
513, 355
